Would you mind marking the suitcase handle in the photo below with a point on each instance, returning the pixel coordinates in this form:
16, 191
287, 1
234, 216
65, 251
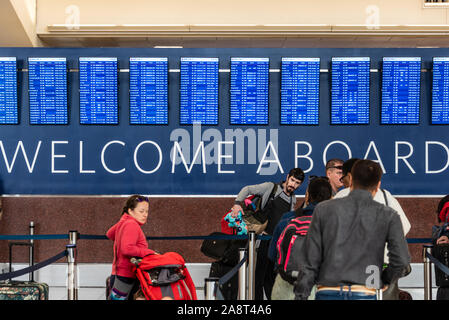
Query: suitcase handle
26, 244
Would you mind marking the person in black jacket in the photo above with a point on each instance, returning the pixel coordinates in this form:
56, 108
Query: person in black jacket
443, 213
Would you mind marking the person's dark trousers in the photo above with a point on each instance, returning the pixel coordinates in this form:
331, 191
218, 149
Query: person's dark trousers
443, 293
265, 274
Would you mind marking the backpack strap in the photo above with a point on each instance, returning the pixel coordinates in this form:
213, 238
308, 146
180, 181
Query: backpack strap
385, 196
273, 192
190, 284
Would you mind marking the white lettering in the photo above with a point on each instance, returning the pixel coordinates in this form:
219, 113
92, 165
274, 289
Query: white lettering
379, 161
81, 161
102, 156
221, 156
427, 156
53, 156
272, 152
403, 158
273, 166
332, 143
306, 156
184, 143
160, 156
9, 167
178, 148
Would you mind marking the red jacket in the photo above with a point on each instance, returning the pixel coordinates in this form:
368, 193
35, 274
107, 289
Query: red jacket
129, 241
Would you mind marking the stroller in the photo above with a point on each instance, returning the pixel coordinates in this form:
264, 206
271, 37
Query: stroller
164, 276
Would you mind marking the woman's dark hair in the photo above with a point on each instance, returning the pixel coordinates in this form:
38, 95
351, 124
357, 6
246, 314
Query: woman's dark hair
319, 189
441, 205
133, 201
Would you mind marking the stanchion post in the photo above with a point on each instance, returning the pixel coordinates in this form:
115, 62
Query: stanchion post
72, 273
379, 293
31, 250
210, 288
73, 237
251, 265
72, 293
427, 248
242, 275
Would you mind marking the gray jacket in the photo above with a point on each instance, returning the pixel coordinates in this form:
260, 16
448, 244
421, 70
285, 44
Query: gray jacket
346, 241
263, 190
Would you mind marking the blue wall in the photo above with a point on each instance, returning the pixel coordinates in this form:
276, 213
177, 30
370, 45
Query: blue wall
118, 173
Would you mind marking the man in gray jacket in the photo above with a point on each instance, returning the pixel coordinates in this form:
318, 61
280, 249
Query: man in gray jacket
273, 207
344, 248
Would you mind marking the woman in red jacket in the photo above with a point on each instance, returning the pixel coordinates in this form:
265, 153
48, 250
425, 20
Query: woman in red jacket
129, 241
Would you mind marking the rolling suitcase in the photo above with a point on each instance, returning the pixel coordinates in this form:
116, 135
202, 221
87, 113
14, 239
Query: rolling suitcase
23, 290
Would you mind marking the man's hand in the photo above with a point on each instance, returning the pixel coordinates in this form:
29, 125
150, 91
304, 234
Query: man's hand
443, 239
235, 210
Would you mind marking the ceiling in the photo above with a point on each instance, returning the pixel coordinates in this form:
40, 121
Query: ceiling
251, 42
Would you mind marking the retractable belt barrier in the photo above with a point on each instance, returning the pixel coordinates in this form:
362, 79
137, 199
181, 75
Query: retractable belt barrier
437, 263
73, 235
214, 237
18, 273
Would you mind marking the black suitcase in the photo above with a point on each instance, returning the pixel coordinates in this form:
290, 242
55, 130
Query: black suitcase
23, 290
230, 289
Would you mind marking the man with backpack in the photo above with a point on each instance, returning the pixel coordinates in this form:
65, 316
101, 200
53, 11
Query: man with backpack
288, 242
276, 199
344, 248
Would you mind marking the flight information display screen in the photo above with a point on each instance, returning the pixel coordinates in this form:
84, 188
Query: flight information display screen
48, 90
350, 90
249, 90
148, 90
199, 91
98, 90
300, 89
8, 91
440, 91
401, 79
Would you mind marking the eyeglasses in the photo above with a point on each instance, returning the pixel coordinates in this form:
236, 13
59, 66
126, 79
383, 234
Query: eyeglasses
315, 177
142, 198
342, 177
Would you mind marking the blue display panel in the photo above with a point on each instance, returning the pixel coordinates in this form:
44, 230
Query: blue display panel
401, 79
350, 90
249, 90
148, 90
199, 91
300, 89
48, 90
8, 91
440, 91
98, 91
